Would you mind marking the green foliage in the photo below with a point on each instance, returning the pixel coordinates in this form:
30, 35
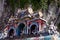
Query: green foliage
17, 3
58, 2
12, 5
44, 4
39, 4
23, 3
36, 4
59, 26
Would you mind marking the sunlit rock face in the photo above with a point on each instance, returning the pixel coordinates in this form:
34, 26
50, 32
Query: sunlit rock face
57, 20
1, 7
53, 15
52, 12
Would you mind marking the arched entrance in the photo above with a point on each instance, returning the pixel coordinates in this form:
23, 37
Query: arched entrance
20, 28
11, 32
33, 28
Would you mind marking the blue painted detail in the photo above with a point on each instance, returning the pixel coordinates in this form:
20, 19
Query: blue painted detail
19, 29
18, 32
12, 28
47, 38
35, 30
59, 38
34, 23
44, 33
25, 30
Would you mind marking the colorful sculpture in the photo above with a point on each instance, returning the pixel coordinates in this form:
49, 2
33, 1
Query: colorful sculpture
26, 26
